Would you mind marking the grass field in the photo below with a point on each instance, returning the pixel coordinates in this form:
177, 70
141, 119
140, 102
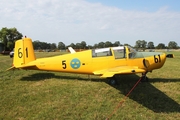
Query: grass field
40, 95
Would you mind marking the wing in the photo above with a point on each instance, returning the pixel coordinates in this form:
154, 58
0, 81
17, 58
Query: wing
119, 70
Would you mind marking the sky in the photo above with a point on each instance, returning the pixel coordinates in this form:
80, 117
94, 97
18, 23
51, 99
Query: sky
94, 21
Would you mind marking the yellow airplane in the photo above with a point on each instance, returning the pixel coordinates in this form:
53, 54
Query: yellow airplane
104, 62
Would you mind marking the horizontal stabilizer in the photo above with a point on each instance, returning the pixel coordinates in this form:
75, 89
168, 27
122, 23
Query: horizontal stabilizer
27, 66
11, 68
21, 67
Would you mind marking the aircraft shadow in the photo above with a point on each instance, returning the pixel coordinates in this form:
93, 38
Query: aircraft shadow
148, 95
47, 75
38, 77
145, 93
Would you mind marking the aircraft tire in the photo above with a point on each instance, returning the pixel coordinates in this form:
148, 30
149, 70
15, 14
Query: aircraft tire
112, 81
144, 79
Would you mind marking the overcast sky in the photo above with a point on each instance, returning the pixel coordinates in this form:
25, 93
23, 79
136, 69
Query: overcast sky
94, 21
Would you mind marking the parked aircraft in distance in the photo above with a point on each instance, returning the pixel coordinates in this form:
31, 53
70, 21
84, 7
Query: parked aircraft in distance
104, 62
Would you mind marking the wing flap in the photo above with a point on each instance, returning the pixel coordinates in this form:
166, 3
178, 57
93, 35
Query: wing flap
119, 70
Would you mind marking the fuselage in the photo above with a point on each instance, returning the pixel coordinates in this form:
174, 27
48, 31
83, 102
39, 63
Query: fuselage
105, 62
88, 61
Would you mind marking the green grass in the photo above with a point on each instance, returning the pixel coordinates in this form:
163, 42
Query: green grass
51, 95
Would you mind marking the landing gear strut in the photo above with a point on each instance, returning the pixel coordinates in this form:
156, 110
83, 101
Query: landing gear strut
144, 78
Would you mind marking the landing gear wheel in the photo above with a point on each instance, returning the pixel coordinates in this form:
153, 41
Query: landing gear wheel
144, 79
112, 81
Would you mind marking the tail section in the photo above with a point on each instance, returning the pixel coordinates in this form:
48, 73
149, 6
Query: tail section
23, 52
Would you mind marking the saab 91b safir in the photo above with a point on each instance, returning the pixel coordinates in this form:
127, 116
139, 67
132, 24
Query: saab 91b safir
104, 62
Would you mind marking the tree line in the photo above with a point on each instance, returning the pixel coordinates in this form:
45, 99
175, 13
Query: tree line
8, 36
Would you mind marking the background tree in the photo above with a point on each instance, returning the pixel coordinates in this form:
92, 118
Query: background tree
45, 45
101, 45
117, 43
108, 44
161, 46
141, 44
83, 45
78, 46
36, 44
53, 46
41, 45
10, 45
90, 47
172, 45
150, 45
144, 44
71, 45
8, 36
95, 46
127, 45
61, 46
138, 44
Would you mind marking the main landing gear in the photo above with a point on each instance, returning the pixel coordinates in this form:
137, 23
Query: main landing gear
144, 78
113, 80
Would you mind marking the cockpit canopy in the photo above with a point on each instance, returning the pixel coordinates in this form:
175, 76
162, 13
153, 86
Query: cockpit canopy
119, 52
101, 52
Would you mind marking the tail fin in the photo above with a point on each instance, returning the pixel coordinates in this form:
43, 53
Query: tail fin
23, 52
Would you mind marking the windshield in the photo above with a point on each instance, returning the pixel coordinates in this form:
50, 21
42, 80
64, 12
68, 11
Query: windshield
132, 52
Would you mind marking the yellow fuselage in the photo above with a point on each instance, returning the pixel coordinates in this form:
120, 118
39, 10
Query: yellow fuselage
83, 62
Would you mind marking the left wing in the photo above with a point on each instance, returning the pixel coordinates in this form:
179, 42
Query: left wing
119, 70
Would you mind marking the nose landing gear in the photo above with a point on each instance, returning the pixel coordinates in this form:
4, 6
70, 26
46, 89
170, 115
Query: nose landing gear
144, 78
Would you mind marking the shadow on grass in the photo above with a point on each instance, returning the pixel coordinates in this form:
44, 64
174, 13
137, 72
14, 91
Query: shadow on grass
148, 95
145, 93
43, 76
38, 77
164, 80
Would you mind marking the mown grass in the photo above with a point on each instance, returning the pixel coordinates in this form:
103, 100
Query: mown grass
51, 95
